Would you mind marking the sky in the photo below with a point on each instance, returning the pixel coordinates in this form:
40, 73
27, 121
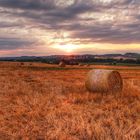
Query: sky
51, 27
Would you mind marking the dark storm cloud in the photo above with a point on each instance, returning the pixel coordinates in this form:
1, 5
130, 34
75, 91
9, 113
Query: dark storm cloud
105, 33
46, 14
14, 43
47, 9
9, 25
28, 4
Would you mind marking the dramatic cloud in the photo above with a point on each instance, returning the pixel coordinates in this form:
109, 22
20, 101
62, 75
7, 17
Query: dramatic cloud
28, 4
52, 22
13, 43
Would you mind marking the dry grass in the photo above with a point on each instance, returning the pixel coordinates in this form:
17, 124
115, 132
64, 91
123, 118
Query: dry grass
54, 105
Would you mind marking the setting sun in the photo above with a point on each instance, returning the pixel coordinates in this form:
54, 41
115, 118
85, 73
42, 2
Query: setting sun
68, 48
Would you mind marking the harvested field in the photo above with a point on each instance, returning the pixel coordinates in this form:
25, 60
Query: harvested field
37, 102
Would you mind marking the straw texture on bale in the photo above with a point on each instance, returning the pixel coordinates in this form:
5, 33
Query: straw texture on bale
62, 64
104, 81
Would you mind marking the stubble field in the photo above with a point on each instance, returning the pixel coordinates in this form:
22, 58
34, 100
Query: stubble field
44, 102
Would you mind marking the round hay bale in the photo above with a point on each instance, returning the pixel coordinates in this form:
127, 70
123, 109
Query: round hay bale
80, 64
104, 81
87, 65
62, 64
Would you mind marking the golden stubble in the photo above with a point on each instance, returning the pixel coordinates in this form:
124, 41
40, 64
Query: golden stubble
36, 103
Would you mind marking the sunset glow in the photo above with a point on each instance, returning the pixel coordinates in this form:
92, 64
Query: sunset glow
68, 48
75, 26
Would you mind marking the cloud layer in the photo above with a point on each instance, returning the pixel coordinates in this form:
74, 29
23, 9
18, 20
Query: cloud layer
77, 21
